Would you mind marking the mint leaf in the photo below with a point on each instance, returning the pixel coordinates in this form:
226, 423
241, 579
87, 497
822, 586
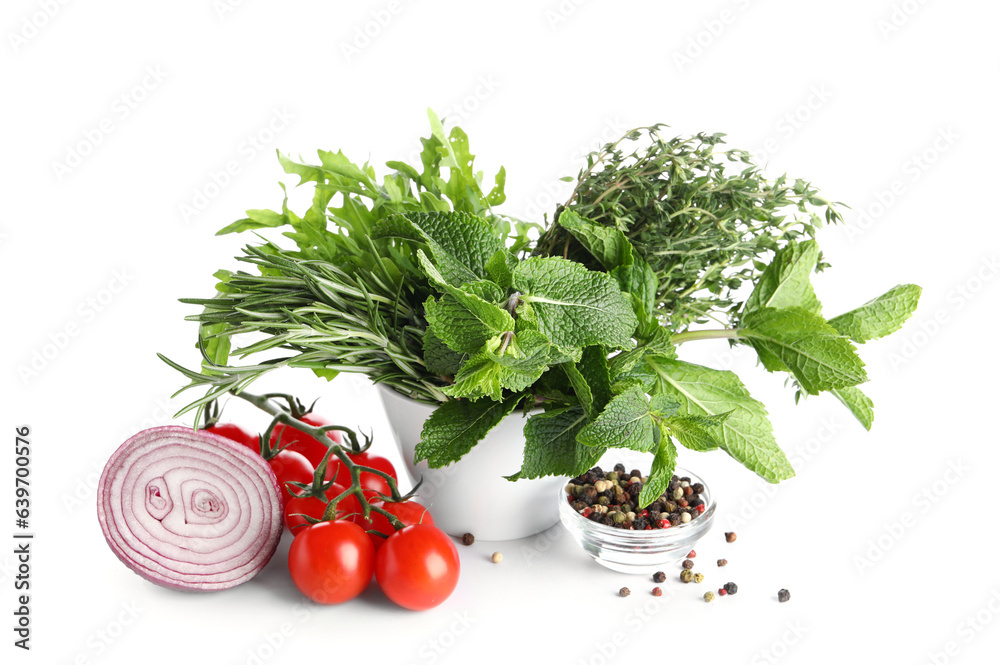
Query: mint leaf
590, 380
626, 422
693, 432
786, 280
465, 322
664, 463
488, 372
438, 358
638, 279
459, 242
456, 426
500, 268
881, 316
607, 244
816, 354
551, 448
581, 389
746, 433
858, 403
659, 344
573, 306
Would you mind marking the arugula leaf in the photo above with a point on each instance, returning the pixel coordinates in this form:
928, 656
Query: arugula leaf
573, 306
746, 434
786, 280
626, 422
816, 354
858, 403
608, 245
551, 448
459, 242
881, 316
456, 426
664, 463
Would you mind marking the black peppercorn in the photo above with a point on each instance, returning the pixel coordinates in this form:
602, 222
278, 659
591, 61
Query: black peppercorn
721, 563
598, 471
730, 588
619, 468
698, 488
659, 577
784, 596
640, 523
595, 516
688, 564
685, 479
634, 489
468, 539
623, 591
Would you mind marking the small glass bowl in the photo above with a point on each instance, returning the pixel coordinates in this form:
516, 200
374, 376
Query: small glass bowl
637, 552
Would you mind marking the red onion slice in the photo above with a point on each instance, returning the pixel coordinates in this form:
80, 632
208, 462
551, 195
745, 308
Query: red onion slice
189, 509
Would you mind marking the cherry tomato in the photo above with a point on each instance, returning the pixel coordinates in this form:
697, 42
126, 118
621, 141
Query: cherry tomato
236, 433
289, 466
408, 512
369, 481
301, 442
312, 506
418, 567
331, 562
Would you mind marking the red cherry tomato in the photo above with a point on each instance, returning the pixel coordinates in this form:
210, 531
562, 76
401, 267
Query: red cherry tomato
331, 562
290, 466
236, 433
297, 506
301, 442
418, 567
369, 481
408, 512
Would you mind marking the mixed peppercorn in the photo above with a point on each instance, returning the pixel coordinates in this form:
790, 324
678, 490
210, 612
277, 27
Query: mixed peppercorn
612, 499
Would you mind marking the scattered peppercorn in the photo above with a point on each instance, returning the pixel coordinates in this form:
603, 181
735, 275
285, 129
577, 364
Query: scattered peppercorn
692, 554
699, 578
730, 537
657, 591
688, 564
468, 539
730, 588
659, 577
722, 592
709, 596
687, 576
784, 596
721, 562
623, 591
497, 557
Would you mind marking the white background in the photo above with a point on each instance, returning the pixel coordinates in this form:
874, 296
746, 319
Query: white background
888, 106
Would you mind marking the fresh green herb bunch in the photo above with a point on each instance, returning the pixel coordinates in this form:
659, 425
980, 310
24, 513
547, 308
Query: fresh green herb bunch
702, 217
345, 301
421, 285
